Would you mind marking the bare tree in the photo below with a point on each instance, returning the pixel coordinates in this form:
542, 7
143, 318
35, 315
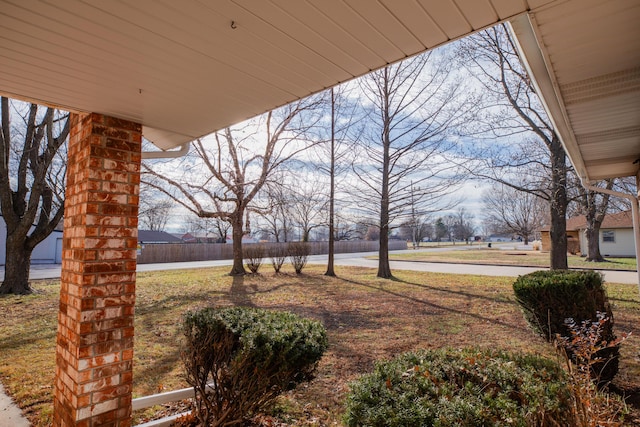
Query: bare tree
212, 229
228, 172
32, 183
411, 106
308, 207
417, 225
512, 112
342, 121
346, 228
463, 228
513, 211
594, 206
275, 218
416, 229
450, 222
154, 212
294, 203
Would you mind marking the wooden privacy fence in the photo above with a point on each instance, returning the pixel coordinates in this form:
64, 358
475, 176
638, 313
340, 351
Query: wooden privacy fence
184, 252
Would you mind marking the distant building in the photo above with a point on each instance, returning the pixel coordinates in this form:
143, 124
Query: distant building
616, 235
200, 238
150, 236
49, 251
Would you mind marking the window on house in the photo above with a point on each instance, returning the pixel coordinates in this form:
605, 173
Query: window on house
608, 236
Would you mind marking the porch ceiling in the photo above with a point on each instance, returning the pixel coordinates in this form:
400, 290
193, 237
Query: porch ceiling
585, 57
184, 69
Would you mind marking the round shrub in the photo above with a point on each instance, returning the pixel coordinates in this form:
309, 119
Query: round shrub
549, 298
239, 359
469, 387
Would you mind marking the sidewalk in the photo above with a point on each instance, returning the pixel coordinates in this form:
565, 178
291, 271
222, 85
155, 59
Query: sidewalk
10, 414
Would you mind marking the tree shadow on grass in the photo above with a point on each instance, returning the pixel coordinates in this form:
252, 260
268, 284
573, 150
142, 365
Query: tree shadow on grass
170, 302
450, 291
439, 306
151, 376
343, 320
21, 339
239, 293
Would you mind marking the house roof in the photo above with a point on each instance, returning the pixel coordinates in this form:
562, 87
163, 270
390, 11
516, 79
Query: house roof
617, 220
149, 236
185, 69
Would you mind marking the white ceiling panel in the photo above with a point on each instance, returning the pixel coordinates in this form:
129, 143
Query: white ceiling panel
587, 66
418, 22
477, 12
448, 16
508, 8
185, 69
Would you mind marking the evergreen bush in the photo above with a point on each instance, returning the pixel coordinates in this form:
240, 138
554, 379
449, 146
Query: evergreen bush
469, 387
549, 297
240, 359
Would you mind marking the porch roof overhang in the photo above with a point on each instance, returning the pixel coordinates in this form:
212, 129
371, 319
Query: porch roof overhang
185, 69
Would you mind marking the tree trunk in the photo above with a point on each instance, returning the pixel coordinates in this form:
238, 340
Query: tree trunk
16, 270
558, 229
330, 269
593, 244
332, 172
595, 215
237, 232
384, 270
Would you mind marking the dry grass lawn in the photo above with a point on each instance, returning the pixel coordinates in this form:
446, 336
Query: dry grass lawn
368, 319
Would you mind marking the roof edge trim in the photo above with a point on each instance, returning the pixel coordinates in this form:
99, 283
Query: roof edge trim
523, 27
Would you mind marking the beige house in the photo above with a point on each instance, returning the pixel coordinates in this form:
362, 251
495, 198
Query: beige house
616, 235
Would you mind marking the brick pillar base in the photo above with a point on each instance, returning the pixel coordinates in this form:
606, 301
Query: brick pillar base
95, 323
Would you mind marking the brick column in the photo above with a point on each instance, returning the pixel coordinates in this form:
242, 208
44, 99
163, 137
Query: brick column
94, 354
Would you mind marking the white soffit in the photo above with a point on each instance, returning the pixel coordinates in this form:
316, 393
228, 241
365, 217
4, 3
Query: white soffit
584, 56
186, 68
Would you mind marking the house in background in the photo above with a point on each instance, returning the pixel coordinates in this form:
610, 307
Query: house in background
616, 235
150, 236
49, 251
200, 238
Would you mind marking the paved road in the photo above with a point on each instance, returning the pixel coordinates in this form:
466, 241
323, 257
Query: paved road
49, 271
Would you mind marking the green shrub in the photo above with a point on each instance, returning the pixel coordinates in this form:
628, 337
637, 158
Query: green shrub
240, 359
548, 298
470, 387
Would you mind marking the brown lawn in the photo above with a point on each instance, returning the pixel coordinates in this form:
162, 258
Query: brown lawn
508, 255
367, 319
